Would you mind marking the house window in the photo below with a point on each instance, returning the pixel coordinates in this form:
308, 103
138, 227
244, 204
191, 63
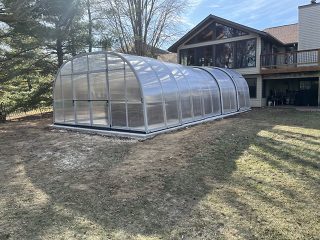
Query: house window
223, 32
215, 31
246, 53
225, 55
239, 54
204, 56
187, 56
207, 34
252, 83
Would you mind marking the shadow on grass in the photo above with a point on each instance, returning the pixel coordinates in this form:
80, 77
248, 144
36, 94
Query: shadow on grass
151, 188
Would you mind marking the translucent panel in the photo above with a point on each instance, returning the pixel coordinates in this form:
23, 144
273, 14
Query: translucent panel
57, 89
67, 90
66, 69
114, 62
242, 87
169, 88
69, 112
98, 86
81, 86
155, 115
215, 94
117, 84
152, 93
132, 84
118, 113
82, 112
135, 116
58, 111
227, 88
97, 62
80, 64
184, 89
100, 113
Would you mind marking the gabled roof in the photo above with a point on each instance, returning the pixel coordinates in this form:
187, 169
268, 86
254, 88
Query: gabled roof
287, 34
210, 18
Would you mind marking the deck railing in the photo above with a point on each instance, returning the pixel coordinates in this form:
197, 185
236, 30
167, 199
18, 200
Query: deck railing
291, 59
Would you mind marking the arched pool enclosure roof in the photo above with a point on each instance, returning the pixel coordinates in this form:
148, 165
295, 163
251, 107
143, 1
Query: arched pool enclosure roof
123, 93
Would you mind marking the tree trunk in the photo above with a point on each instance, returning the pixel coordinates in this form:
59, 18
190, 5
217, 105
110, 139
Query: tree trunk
90, 26
59, 52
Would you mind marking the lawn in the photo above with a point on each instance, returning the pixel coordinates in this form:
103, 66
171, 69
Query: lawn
252, 176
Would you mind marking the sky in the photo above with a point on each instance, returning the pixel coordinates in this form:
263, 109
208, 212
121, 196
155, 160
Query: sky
259, 14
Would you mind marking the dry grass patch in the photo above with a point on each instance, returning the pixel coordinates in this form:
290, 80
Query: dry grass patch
254, 176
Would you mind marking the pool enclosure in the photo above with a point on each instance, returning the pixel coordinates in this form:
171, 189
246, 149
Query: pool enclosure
120, 93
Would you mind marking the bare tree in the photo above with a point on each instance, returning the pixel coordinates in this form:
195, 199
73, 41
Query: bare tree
141, 26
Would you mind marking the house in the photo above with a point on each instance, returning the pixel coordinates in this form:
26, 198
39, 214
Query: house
281, 64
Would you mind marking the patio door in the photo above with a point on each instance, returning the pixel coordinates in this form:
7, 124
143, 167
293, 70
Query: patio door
308, 93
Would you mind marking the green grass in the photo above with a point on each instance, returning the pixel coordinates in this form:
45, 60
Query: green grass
254, 176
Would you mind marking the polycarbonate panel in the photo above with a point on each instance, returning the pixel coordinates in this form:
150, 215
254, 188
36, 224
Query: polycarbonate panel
117, 84
195, 83
155, 115
100, 113
80, 64
97, 62
82, 112
227, 88
135, 116
80, 83
133, 87
242, 86
58, 111
184, 89
215, 94
67, 90
114, 62
66, 69
57, 93
98, 86
118, 114
69, 112
169, 88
